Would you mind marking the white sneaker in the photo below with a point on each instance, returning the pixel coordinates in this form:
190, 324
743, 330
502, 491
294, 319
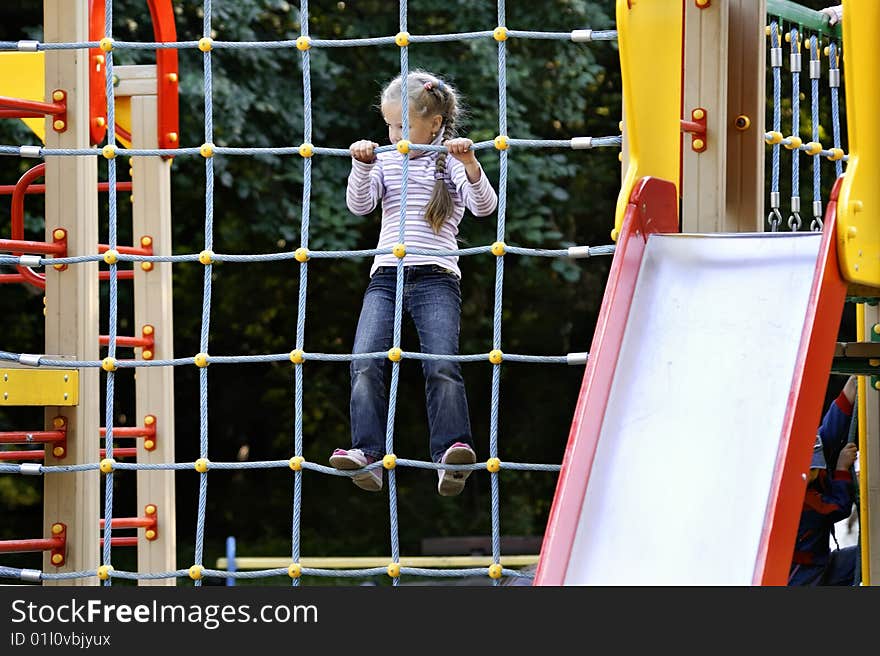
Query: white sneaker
349, 459
452, 483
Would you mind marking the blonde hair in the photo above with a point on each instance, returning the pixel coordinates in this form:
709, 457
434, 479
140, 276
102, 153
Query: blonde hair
428, 95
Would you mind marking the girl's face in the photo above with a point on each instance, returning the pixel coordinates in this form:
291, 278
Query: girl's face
421, 128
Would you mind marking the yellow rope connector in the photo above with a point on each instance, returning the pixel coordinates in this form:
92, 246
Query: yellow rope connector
499, 248
389, 461
501, 142
399, 250
500, 33
496, 356
836, 154
393, 570
106, 465
395, 354
615, 233
201, 465
104, 572
306, 150
111, 256
402, 39
301, 255
206, 44
206, 150
296, 463
495, 571
794, 143
303, 43
813, 148
773, 138
201, 360
106, 44
206, 257
109, 151
296, 356
108, 364
294, 570
403, 146
195, 572
493, 465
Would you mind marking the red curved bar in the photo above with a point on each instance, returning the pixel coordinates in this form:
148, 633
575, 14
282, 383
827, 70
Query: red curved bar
164, 30
20, 106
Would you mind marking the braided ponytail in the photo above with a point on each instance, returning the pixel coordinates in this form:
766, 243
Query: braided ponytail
440, 206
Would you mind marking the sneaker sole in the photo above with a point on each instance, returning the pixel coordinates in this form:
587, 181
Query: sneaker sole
367, 481
452, 482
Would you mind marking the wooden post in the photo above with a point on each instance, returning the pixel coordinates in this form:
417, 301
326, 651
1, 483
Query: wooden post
746, 96
153, 306
704, 174
869, 463
72, 295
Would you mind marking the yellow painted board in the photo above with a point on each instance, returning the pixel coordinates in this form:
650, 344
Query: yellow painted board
43, 387
22, 75
359, 562
649, 40
858, 207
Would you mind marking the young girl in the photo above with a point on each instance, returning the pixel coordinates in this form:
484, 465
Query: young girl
439, 190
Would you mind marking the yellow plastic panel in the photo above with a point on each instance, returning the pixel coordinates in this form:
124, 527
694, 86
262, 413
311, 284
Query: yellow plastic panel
650, 40
22, 75
53, 387
858, 207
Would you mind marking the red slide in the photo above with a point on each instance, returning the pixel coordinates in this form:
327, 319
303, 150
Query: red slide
699, 405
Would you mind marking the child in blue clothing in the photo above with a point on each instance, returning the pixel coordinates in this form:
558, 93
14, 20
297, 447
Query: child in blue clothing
828, 499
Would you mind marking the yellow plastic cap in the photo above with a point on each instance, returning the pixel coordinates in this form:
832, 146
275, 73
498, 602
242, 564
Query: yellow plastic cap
301, 255
206, 257
109, 151
773, 138
206, 150
402, 39
393, 570
395, 354
296, 463
306, 150
104, 572
495, 571
500, 33
389, 461
107, 465
206, 44
201, 360
399, 250
303, 43
493, 465
813, 148
794, 142
501, 142
496, 356
201, 465
498, 248
195, 572
296, 356
294, 570
403, 146
106, 44
108, 364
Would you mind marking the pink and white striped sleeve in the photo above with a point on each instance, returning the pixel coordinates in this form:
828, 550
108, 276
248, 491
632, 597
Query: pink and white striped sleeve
365, 187
479, 197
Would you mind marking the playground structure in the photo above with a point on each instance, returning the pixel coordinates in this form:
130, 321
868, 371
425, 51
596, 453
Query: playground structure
719, 180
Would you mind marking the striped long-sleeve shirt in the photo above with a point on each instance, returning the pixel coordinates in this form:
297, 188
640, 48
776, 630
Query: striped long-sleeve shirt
382, 180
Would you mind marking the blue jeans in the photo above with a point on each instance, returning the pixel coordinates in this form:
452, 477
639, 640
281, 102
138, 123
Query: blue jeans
432, 298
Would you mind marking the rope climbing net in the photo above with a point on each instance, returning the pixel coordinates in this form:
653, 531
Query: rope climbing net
794, 143
298, 356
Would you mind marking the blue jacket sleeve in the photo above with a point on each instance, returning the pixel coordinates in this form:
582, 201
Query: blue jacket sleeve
834, 430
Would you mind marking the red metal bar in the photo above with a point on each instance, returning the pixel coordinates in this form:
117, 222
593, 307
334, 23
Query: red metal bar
127, 342
6, 456
35, 189
57, 544
131, 431
33, 106
17, 113
693, 127
131, 522
22, 246
23, 437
